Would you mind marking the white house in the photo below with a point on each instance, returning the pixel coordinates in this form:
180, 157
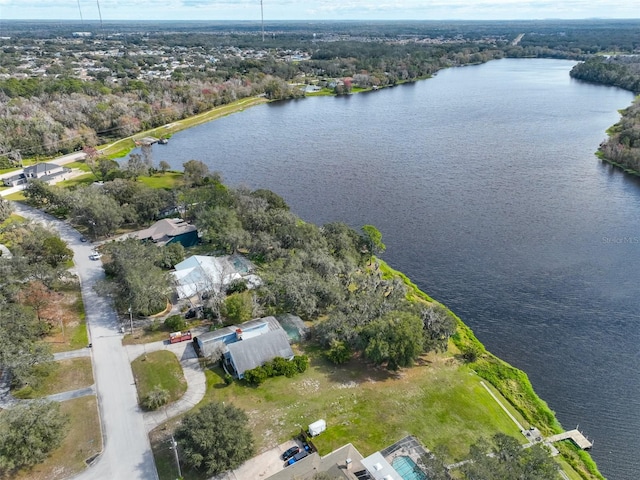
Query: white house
200, 274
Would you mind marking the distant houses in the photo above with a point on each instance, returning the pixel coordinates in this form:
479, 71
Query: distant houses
246, 346
47, 172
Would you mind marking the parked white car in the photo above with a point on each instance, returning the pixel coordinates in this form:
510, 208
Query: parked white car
95, 256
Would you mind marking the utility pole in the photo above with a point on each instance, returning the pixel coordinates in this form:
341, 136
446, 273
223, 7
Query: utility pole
262, 20
174, 447
130, 319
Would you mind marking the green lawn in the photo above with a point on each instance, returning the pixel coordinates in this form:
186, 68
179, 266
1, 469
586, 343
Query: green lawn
64, 375
166, 180
439, 401
159, 368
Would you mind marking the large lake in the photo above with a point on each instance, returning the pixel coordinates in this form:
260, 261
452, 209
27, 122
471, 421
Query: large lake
484, 183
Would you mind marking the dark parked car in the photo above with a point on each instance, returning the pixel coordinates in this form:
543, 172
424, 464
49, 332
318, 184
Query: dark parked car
193, 313
296, 457
290, 453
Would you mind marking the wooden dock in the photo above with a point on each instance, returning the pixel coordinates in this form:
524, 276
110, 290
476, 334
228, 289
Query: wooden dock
146, 141
575, 436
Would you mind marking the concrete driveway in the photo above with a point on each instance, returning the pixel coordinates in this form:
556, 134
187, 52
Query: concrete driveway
261, 466
193, 374
127, 452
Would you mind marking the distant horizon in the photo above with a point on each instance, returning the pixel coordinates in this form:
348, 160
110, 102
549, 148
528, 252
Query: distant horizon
318, 10
319, 20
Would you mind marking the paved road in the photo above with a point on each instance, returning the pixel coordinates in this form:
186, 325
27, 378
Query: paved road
127, 452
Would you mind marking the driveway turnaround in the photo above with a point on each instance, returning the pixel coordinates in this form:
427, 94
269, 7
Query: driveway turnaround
193, 374
127, 452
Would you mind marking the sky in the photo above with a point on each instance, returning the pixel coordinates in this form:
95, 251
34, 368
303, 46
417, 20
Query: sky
318, 9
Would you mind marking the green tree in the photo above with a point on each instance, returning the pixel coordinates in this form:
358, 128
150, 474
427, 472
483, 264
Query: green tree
96, 211
238, 308
434, 465
439, 325
339, 352
373, 240
394, 339
137, 282
222, 227
170, 255
5, 209
136, 166
28, 433
508, 460
215, 439
55, 251
164, 166
195, 172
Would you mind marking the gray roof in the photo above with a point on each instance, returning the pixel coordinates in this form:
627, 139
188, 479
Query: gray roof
214, 335
164, 230
253, 352
333, 463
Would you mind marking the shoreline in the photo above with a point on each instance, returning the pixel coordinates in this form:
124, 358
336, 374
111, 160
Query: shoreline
512, 383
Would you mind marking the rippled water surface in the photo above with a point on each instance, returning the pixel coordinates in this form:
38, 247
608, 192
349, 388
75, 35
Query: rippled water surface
485, 187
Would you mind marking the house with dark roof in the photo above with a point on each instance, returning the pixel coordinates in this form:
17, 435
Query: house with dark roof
41, 171
246, 346
169, 230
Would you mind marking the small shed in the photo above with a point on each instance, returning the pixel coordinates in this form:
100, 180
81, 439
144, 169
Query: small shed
317, 427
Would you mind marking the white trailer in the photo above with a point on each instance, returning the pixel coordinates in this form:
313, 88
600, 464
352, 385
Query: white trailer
316, 428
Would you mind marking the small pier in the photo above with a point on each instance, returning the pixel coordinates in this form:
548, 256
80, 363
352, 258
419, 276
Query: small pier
146, 141
575, 436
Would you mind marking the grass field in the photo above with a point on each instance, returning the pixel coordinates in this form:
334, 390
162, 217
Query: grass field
83, 442
159, 368
63, 376
438, 401
166, 180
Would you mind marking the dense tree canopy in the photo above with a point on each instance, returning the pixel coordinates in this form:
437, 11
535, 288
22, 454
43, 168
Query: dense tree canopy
215, 439
5, 209
139, 283
508, 461
28, 432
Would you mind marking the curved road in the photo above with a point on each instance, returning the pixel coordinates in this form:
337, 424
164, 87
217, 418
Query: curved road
126, 450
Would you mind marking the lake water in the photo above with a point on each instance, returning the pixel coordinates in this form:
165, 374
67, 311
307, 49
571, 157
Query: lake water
484, 184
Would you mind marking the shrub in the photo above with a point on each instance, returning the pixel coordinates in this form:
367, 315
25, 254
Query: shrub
156, 398
301, 362
175, 323
255, 376
339, 352
470, 353
228, 379
237, 286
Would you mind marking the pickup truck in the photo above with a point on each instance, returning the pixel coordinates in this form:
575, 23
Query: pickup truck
176, 337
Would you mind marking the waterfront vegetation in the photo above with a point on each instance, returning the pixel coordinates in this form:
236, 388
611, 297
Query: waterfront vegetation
329, 278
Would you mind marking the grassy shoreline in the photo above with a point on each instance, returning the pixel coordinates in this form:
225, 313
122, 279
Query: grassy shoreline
122, 147
513, 384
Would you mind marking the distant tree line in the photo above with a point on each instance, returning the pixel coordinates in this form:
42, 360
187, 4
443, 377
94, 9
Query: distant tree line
60, 114
623, 145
